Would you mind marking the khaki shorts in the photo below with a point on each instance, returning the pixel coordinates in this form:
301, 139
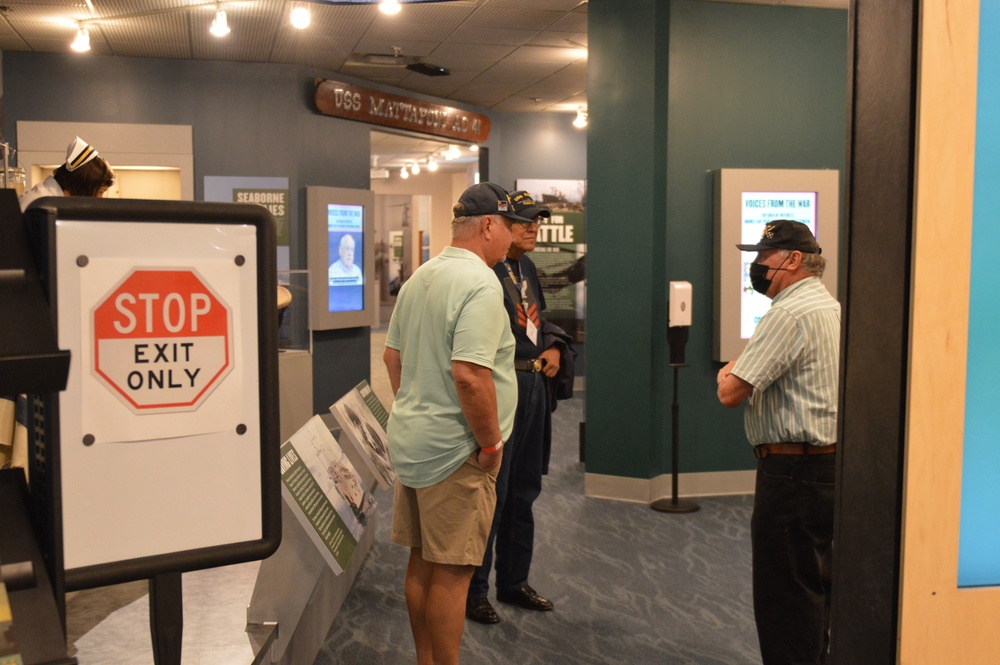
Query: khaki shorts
450, 520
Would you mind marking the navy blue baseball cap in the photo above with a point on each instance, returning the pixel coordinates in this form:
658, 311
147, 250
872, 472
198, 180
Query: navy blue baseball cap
525, 206
487, 198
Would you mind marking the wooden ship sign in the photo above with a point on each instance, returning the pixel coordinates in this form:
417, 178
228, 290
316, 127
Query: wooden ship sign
352, 102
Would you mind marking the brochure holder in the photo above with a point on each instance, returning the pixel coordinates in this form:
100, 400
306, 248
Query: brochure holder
32, 591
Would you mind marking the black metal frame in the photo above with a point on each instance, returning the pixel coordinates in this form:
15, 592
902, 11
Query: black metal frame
41, 218
875, 345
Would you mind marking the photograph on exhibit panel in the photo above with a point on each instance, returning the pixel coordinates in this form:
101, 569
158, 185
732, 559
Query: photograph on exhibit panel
363, 419
334, 474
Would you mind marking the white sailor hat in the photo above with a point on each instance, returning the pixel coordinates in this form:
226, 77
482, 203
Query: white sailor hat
79, 153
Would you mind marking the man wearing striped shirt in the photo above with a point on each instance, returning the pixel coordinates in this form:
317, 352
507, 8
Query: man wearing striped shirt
788, 376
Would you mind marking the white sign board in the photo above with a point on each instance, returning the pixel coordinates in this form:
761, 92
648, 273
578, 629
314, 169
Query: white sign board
161, 415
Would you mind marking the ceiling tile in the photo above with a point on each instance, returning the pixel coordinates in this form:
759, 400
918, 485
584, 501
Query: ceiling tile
493, 16
556, 5
481, 35
570, 23
500, 52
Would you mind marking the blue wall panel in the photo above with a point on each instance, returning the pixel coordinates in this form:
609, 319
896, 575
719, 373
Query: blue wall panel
979, 535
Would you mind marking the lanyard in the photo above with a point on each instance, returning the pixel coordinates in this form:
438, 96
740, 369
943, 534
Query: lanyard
522, 284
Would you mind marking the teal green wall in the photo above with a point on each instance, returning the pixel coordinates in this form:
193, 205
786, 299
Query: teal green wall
676, 90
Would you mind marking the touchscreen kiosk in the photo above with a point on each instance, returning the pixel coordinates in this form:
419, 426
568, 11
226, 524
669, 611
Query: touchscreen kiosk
745, 201
341, 257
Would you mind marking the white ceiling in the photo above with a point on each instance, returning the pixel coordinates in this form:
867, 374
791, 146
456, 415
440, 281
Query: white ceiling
504, 55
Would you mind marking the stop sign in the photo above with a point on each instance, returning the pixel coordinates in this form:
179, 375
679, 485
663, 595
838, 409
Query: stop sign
162, 340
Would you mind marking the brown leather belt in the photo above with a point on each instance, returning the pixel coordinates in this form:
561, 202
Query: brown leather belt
797, 448
529, 365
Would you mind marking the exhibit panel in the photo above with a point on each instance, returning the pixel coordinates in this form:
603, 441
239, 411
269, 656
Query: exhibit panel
330, 470
940, 621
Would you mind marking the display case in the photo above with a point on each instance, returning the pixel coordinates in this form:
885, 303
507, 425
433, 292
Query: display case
293, 311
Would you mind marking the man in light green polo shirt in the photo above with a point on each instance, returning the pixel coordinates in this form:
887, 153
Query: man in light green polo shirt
450, 358
788, 375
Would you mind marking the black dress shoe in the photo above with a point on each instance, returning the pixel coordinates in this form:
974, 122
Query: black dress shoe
524, 596
480, 611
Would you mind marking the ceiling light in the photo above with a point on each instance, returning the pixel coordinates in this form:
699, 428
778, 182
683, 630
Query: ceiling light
82, 42
415, 168
432, 165
403, 173
389, 7
474, 147
300, 17
453, 152
581, 119
220, 27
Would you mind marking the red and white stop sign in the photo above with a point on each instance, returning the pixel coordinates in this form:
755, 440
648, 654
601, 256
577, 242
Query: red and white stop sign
162, 340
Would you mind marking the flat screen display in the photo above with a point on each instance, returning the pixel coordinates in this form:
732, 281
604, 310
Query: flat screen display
345, 252
757, 209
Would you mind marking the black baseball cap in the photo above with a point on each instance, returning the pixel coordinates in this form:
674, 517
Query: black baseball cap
487, 198
525, 206
785, 234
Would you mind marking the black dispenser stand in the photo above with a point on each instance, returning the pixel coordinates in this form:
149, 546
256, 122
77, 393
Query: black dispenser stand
676, 339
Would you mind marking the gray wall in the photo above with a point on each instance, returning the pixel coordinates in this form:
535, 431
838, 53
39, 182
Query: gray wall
677, 90
537, 145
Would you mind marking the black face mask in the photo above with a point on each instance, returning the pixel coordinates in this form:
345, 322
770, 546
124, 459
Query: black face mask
758, 276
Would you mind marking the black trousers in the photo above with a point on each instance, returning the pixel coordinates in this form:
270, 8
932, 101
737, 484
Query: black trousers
519, 483
791, 532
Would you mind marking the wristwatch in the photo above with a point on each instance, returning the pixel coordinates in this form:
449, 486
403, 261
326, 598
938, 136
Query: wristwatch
494, 448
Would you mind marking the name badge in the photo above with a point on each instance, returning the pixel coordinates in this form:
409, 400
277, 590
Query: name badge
532, 331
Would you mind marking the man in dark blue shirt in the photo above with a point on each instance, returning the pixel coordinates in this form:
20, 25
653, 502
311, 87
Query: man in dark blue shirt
520, 479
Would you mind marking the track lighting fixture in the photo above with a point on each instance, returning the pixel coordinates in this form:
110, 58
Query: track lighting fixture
415, 168
403, 173
82, 42
581, 119
220, 26
432, 165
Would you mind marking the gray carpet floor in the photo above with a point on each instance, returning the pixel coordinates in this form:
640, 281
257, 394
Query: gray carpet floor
630, 585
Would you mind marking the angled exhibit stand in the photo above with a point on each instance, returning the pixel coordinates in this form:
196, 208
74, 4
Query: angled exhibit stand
327, 532
299, 594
